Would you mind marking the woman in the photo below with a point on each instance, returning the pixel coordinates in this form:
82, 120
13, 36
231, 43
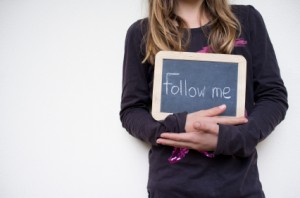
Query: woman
205, 26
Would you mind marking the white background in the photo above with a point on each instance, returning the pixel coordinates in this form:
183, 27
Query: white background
60, 88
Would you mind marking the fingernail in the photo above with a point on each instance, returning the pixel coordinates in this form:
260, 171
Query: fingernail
223, 106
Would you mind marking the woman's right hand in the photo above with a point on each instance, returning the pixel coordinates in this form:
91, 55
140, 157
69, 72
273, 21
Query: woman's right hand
211, 116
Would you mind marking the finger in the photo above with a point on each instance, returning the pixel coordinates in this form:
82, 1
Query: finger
212, 112
183, 137
180, 137
230, 120
173, 143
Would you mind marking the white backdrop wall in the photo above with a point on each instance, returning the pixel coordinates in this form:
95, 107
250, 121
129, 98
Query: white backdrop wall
60, 88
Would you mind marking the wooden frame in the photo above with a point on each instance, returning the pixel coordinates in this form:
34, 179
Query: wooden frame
224, 58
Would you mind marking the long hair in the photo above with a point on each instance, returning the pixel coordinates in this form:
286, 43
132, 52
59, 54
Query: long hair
166, 30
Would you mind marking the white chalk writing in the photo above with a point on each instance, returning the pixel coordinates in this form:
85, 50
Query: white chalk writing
175, 85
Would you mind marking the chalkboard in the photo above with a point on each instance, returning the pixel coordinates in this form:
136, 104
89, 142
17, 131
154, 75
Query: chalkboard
189, 82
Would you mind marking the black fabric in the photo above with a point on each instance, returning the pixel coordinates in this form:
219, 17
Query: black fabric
233, 172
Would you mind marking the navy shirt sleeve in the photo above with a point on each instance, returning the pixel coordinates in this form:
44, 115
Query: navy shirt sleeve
270, 95
136, 99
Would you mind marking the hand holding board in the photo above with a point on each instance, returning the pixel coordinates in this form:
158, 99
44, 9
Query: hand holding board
187, 81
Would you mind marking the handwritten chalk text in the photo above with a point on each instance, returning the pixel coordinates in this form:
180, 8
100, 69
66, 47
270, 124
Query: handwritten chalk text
174, 85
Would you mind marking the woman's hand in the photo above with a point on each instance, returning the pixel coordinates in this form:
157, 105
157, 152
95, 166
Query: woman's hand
202, 130
211, 116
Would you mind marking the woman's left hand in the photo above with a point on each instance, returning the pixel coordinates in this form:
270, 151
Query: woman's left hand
205, 137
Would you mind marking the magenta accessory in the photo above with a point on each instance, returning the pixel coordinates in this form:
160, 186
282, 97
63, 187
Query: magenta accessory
179, 153
238, 43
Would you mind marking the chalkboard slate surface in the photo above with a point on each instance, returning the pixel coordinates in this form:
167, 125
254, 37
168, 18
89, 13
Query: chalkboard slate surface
186, 81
